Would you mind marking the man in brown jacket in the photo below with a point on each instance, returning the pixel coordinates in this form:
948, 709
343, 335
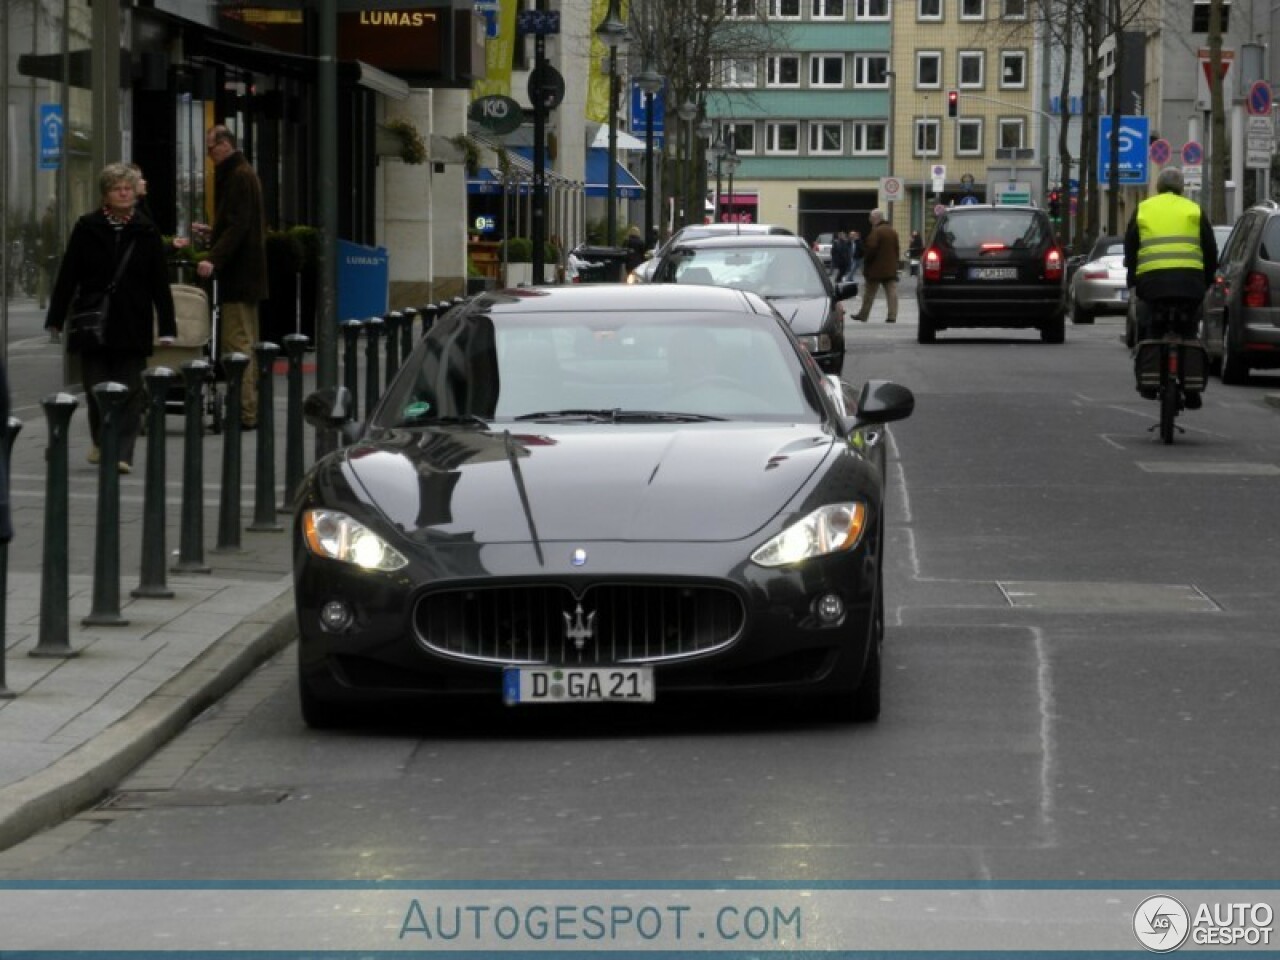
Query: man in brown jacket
237, 256
880, 266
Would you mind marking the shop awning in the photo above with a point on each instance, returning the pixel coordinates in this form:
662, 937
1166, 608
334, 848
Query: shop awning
597, 172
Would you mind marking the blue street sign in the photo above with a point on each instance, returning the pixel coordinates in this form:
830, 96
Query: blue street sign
50, 136
638, 113
968, 200
1260, 99
538, 21
1192, 153
1132, 163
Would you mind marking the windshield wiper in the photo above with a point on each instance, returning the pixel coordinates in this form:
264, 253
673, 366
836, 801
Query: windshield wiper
462, 419
619, 415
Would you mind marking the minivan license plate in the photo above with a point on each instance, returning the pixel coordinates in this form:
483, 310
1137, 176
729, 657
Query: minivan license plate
577, 685
993, 273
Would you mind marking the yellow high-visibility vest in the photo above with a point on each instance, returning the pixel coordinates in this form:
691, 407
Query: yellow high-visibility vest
1168, 234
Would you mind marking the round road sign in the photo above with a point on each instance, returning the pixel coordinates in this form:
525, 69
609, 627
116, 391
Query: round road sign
1259, 100
1192, 153
1161, 152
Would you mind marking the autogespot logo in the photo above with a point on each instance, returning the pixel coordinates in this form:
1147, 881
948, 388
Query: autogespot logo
1161, 924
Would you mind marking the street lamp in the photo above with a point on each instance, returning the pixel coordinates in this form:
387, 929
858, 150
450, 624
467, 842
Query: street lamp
650, 82
718, 150
612, 33
704, 131
688, 110
731, 161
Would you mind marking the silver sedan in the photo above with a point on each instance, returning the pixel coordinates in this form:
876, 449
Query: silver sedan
1099, 286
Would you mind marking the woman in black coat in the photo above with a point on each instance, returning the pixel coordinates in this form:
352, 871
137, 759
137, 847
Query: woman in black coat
141, 302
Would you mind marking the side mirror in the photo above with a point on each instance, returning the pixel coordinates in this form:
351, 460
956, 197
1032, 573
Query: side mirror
882, 401
328, 409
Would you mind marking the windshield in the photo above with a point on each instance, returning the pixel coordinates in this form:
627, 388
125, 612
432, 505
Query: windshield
601, 367
769, 271
1012, 228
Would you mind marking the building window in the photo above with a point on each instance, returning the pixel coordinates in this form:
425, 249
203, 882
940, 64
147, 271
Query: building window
784, 9
784, 71
871, 70
826, 138
740, 9
969, 137
826, 70
927, 138
1011, 131
870, 137
928, 9
739, 73
871, 9
1200, 16
741, 135
973, 9
929, 69
782, 138
1014, 10
1013, 69
827, 9
969, 69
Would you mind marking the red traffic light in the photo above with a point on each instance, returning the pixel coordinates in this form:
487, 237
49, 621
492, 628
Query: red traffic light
953, 103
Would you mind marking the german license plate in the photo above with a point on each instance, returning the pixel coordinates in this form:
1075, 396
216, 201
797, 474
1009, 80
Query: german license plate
577, 685
993, 273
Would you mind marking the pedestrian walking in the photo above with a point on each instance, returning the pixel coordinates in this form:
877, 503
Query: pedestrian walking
840, 253
49, 248
880, 265
237, 256
635, 248
856, 253
116, 244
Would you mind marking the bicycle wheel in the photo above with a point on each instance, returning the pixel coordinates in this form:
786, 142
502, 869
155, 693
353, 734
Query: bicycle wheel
1168, 409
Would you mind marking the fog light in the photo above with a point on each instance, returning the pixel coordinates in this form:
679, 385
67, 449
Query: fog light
830, 608
335, 616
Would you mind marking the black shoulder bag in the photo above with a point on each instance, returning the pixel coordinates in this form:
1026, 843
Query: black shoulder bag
87, 324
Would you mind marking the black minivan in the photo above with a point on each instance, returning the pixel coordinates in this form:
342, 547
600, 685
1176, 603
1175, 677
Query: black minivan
993, 266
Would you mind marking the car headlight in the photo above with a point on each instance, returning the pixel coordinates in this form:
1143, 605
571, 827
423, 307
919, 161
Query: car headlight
335, 536
831, 529
817, 344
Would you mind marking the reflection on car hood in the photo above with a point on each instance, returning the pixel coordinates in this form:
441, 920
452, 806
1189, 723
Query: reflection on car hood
586, 482
806, 315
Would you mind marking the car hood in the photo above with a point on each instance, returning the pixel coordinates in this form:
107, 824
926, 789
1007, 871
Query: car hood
806, 315
585, 482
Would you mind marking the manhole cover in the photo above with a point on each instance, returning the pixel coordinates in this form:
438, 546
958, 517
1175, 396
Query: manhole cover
1107, 597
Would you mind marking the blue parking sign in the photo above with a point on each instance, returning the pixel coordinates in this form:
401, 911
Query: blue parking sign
50, 136
1133, 160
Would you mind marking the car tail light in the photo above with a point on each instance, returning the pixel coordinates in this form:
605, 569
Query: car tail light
993, 246
1053, 264
1094, 274
932, 264
1257, 291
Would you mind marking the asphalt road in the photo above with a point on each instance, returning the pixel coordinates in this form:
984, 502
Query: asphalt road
1080, 686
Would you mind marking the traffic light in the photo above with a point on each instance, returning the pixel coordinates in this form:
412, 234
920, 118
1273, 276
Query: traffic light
1055, 204
953, 103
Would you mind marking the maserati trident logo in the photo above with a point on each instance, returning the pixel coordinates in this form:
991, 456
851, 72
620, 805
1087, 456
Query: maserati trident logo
579, 626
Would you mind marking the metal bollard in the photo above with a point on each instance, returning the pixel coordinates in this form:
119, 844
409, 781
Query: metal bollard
350, 361
228, 541
295, 345
54, 625
392, 322
9, 434
372, 390
151, 579
191, 532
111, 399
264, 487
406, 332
429, 314
459, 301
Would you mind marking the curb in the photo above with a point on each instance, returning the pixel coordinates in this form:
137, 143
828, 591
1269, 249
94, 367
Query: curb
89, 772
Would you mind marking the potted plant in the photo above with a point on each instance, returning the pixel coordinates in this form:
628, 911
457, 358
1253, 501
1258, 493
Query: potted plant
401, 139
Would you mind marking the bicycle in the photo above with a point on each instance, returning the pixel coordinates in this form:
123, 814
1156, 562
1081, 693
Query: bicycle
1170, 364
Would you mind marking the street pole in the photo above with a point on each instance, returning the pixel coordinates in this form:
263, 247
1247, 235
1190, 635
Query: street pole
539, 198
924, 184
612, 33
650, 82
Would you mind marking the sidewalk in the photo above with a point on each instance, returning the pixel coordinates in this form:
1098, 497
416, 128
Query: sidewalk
76, 726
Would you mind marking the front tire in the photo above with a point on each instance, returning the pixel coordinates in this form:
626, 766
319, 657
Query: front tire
317, 712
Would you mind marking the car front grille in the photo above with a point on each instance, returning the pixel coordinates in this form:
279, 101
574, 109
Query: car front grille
604, 624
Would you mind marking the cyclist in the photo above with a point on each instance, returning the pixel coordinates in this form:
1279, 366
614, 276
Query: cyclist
1170, 255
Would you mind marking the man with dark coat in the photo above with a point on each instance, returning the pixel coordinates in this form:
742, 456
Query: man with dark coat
237, 256
880, 265
841, 256
141, 305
